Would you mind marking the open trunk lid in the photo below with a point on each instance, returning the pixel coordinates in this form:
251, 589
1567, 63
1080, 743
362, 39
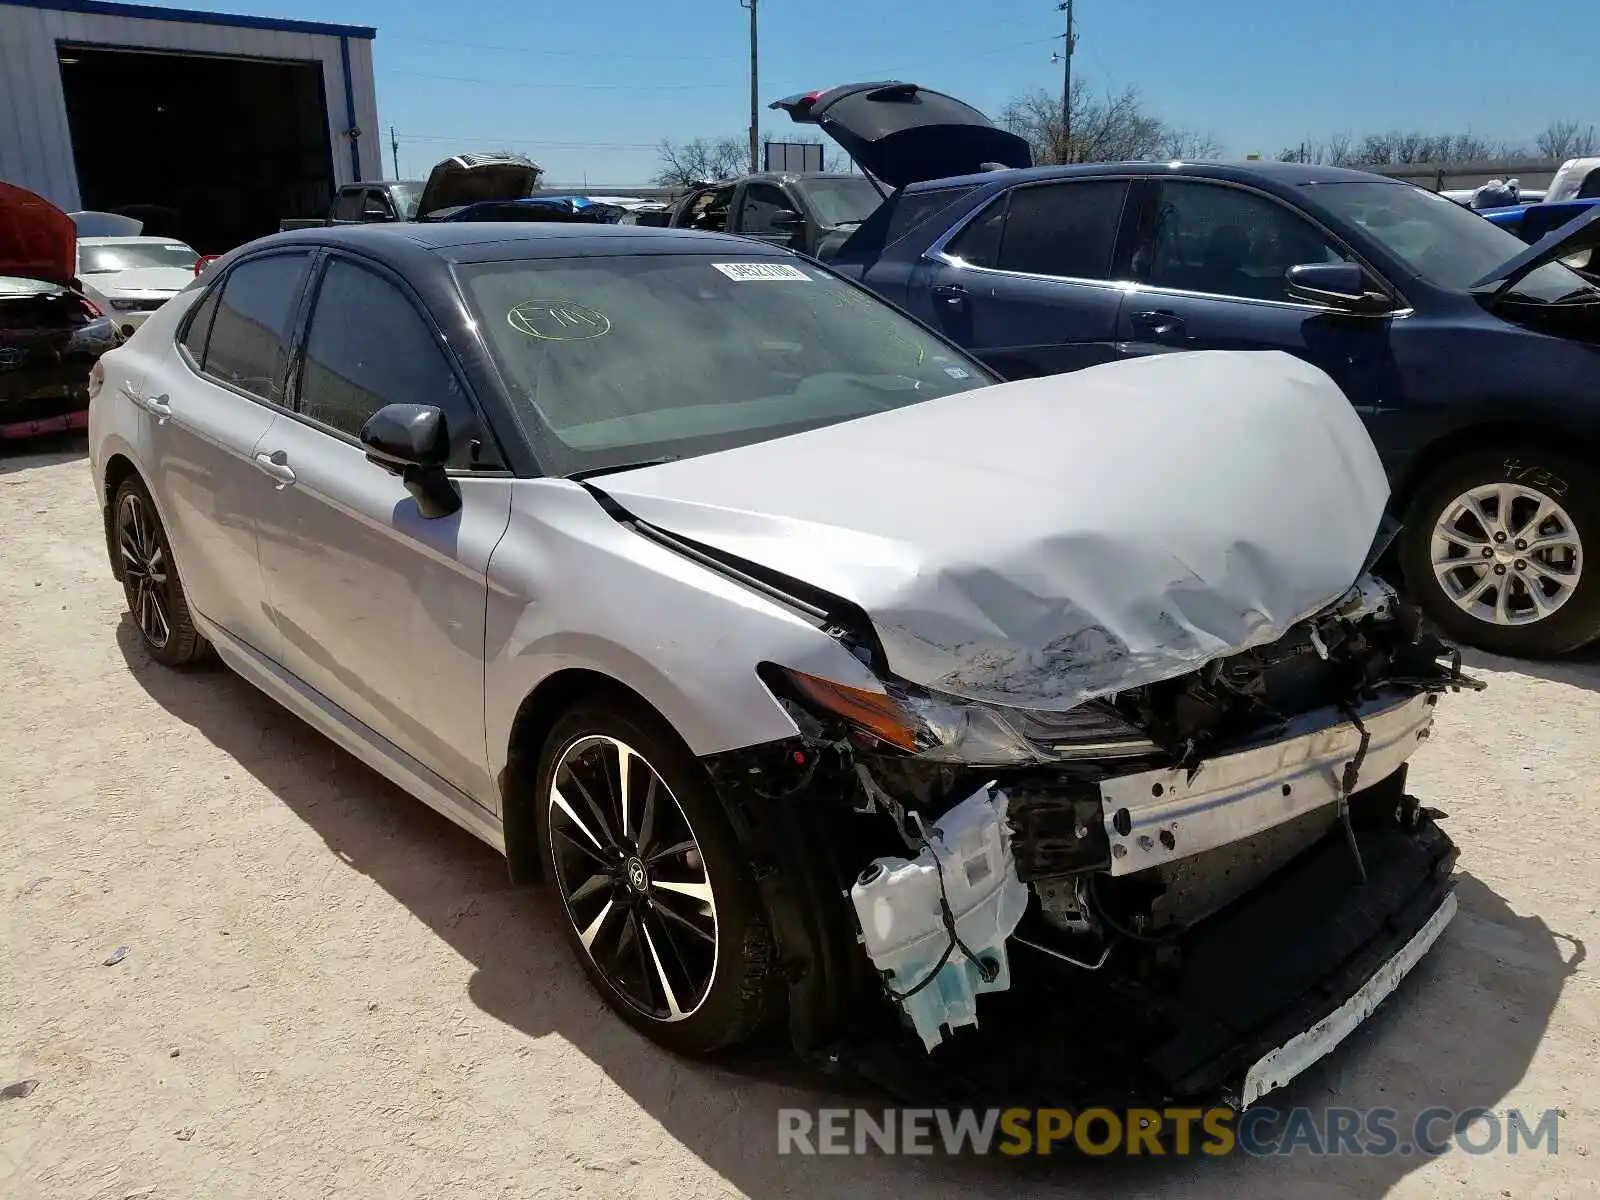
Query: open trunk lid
37, 239
470, 178
902, 133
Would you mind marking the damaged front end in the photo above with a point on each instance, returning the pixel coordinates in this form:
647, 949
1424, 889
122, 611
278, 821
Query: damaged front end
1195, 887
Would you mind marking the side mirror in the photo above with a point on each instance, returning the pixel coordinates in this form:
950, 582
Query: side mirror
1337, 285
786, 218
413, 442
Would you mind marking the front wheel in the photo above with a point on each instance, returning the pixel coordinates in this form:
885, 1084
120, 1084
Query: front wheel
661, 907
1497, 550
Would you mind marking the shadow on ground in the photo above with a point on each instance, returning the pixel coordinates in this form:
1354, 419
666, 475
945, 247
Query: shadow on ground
1460, 1033
1580, 669
50, 450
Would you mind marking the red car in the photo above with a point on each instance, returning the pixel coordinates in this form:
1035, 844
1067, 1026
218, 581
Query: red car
51, 334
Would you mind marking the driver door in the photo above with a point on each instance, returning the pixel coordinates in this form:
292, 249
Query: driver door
380, 609
1209, 262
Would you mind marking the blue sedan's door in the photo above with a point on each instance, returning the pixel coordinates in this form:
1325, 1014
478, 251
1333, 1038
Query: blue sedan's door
1210, 260
1031, 284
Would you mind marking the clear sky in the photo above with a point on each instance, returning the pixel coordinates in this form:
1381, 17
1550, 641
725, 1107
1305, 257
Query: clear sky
590, 89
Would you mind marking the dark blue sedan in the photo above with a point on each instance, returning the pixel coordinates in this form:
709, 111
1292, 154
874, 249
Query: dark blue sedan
1474, 358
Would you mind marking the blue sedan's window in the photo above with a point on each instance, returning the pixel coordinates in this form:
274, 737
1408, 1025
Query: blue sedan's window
1443, 243
612, 360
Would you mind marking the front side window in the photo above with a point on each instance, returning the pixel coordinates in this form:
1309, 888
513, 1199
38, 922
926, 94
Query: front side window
618, 360
250, 334
367, 346
1226, 241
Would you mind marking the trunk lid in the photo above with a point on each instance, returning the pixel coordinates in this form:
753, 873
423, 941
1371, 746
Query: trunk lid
106, 224
469, 178
37, 239
902, 133
1043, 542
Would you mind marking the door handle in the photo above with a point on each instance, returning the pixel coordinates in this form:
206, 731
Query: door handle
1164, 325
276, 467
953, 294
159, 407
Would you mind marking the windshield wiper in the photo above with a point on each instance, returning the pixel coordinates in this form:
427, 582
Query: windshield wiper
590, 472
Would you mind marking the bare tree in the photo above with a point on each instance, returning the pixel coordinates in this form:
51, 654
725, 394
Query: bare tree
1566, 139
1110, 127
685, 163
1190, 145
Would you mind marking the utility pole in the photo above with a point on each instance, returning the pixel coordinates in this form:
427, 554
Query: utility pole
1066, 83
394, 149
755, 91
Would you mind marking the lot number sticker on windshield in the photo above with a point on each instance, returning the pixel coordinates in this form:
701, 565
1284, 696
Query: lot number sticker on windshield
752, 272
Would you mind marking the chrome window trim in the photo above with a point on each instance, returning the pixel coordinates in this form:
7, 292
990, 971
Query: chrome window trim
938, 252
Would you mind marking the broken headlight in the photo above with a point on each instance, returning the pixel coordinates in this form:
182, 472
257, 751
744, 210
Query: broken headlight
943, 728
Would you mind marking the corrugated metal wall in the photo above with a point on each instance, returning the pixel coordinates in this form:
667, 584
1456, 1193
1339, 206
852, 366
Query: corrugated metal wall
36, 147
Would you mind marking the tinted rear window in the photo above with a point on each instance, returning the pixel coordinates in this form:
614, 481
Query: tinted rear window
249, 343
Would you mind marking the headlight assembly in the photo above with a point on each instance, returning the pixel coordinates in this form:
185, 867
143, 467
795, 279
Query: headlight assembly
943, 728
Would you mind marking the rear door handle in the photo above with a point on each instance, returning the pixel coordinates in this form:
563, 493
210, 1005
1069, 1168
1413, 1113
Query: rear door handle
952, 294
159, 407
1165, 325
276, 467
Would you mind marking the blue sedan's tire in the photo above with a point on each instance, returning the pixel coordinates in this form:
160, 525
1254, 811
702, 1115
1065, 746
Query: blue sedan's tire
1502, 550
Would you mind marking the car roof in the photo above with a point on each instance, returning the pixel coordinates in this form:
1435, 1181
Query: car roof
1285, 174
487, 241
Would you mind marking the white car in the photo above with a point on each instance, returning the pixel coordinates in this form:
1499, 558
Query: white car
131, 277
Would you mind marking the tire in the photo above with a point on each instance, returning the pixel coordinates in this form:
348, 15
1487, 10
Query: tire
690, 993
1471, 510
150, 580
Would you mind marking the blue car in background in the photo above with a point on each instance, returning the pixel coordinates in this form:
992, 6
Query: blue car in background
1530, 222
1473, 357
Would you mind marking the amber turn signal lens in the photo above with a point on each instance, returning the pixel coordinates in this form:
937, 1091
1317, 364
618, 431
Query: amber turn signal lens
872, 711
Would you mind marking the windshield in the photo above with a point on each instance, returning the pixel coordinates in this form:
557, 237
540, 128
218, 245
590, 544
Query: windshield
841, 201
125, 256
406, 198
613, 361
1445, 244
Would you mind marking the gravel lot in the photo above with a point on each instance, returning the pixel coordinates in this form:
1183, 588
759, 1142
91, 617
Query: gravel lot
329, 990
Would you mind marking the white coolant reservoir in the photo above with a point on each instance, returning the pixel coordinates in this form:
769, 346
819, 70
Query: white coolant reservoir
904, 930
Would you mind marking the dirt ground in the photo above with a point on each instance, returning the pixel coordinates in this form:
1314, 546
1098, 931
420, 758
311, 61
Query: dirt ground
329, 990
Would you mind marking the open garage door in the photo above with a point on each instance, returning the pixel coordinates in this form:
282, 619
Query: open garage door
211, 149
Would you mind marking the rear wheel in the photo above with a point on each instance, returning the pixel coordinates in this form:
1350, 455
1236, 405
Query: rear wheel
1497, 550
150, 579
661, 907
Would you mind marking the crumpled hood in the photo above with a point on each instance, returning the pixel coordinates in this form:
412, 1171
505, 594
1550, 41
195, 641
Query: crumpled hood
1043, 542
37, 239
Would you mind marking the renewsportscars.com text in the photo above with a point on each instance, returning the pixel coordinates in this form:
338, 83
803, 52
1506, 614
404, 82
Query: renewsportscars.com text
1177, 1132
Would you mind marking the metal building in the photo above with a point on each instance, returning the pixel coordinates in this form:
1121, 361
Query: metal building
210, 127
